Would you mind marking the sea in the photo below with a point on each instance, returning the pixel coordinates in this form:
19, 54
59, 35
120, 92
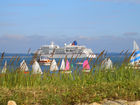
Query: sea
13, 62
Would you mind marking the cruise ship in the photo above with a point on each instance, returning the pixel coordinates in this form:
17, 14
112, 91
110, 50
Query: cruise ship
69, 51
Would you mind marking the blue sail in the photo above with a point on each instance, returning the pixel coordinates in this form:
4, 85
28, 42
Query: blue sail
136, 55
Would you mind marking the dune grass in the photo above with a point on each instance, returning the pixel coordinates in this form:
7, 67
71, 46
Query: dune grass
118, 82
78, 87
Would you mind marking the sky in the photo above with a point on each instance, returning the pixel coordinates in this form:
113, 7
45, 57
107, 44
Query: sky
98, 24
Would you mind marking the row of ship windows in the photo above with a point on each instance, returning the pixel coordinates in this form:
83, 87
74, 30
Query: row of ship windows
62, 51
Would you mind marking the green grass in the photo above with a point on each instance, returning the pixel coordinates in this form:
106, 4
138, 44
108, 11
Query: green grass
63, 89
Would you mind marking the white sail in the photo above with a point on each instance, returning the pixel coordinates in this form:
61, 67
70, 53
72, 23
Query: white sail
4, 68
136, 56
36, 68
53, 66
23, 66
107, 63
135, 46
63, 66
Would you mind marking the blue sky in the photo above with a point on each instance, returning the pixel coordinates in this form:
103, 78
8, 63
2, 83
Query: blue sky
99, 24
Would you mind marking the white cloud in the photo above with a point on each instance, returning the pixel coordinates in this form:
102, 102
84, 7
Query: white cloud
28, 5
110, 43
131, 34
21, 43
7, 24
85, 38
15, 37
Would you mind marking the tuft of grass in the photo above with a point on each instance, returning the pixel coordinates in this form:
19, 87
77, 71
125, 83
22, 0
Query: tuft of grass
69, 89
118, 82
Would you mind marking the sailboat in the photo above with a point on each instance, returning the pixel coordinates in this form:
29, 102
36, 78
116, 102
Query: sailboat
62, 67
36, 68
135, 58
65, 69
24, 67
107, 63
86, 66
67, 65
4, 68
53, 66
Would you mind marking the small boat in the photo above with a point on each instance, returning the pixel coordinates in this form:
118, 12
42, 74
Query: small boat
86, 66
53, 66
79, 63
67, 65
107, 63
36, 68
4, 68
135, 58
63, 66
24, 67
65, 69
43, 60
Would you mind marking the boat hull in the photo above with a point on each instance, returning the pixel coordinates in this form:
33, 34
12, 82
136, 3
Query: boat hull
66, 71
86, 71
69, 56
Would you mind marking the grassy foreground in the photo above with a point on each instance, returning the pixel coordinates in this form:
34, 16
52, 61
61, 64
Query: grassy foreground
78, 87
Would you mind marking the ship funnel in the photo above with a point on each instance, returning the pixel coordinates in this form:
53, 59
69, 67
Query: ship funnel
74, 42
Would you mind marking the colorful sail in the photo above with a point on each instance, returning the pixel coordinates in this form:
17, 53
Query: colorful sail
132, 60
36, 68
53, 66
4, 68
62, 67
67, 65
136, 56
23, 66
86, 65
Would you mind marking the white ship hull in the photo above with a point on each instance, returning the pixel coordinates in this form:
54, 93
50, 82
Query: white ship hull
71, 51
70, 56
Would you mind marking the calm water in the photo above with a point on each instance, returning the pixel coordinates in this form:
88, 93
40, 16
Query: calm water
115, 57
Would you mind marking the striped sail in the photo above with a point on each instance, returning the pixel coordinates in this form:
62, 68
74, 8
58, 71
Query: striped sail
23, 66
136, 56
132, 60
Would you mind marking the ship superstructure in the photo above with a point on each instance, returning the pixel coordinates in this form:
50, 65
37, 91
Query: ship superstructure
71, 50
